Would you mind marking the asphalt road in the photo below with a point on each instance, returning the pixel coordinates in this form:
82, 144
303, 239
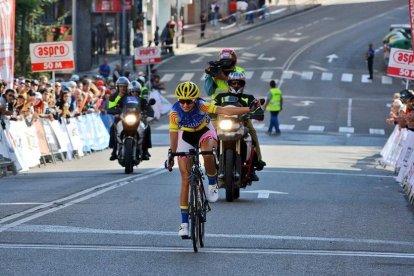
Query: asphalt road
323, 205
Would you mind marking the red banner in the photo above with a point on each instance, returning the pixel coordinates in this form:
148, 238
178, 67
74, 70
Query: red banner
114, 6
7, 10
411, 11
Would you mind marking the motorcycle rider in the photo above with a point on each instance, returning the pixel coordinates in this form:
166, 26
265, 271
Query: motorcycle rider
190, 126
217, 72
145, 133
116, 103
236, 83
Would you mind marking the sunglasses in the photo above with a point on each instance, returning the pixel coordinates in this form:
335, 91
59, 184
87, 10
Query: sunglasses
239, 83
188, 102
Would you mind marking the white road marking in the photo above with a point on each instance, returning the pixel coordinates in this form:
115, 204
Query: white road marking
286, 127
307, 75
86, 194
167, 77
203, 76
326, 76
187, 77
386, 80
349, 115
287, 74
249, 74
376, 131
267, 75
316, 128
364, 79
346, 77
346, 129
21, 203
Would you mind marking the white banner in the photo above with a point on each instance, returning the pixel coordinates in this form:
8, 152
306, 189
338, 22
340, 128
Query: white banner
7, 17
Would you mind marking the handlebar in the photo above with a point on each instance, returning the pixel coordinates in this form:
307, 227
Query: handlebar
192, 152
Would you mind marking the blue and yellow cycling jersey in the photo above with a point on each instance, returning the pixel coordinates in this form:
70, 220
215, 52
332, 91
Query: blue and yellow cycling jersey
193, 120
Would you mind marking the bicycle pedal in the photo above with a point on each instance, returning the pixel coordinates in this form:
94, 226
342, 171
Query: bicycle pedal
186, 237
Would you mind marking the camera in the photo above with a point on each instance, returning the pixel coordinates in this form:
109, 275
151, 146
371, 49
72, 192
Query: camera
215, 68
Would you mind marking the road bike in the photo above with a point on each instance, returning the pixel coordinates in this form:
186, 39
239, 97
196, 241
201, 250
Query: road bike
198, 205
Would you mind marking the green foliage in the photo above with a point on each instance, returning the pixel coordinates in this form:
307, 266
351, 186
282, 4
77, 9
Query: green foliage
28, 30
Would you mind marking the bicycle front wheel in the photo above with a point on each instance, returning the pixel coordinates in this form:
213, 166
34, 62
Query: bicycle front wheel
194, 212
202, 214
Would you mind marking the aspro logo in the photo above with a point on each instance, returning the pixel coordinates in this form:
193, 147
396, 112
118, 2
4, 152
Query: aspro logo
403, 57
57, 50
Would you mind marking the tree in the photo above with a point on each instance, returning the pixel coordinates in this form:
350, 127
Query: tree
29, 29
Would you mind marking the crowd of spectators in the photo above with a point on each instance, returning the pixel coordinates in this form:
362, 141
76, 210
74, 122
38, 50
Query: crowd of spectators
402, 110
31, 99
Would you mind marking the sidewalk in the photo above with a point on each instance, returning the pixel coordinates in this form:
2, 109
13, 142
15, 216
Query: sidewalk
190, 38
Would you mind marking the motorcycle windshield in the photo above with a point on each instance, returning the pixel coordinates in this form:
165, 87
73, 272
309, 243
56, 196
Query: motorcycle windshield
132, 104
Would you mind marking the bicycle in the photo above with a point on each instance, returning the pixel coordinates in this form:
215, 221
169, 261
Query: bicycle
198, 204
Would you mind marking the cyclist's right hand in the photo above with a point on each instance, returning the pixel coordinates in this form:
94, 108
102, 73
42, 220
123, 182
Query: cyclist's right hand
169, 164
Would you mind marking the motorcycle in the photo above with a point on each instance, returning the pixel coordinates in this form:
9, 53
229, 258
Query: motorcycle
236, 150
129, 152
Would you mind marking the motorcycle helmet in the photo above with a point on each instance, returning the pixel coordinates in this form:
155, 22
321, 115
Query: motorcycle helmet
74, 78
227, 58
187, 91
141, 80
122, 81
135, 86
236, 82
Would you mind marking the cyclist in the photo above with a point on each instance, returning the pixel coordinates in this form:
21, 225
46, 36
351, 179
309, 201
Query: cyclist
190, 126
217, 72
236, 82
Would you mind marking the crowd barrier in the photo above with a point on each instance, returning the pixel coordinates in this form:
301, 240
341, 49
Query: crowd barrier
44, 140
398, 152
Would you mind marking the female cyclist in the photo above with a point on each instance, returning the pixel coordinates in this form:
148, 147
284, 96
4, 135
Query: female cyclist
190, 126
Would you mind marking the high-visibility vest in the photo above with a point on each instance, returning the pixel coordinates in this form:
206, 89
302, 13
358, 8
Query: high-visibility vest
222, 85
274, 103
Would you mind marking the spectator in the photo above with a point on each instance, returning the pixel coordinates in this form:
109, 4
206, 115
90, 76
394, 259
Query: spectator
104, 69
58, 90
203, 22
167, 37
157, 36
232, 10
251, 7
215, 16
117, 73
370, 60
274, 104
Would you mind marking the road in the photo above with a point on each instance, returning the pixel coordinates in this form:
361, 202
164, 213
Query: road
323, 205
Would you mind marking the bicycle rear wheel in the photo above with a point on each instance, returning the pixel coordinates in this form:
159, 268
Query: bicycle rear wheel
194, 217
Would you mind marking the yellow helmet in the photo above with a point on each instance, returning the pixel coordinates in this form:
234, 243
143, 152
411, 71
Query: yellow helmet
187, 91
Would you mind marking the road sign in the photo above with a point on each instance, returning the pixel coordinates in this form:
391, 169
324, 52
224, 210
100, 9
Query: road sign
401, 63
52, 56
147, 55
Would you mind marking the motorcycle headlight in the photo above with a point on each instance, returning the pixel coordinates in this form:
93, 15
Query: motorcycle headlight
226, 124
130, 119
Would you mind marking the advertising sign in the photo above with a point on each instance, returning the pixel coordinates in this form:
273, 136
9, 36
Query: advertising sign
7, 17
147, 55
52, 56
114, 6
401, 63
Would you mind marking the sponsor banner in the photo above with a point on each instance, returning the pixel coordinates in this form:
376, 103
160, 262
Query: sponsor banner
7, 20
52, 56
147, 55
401, 63
111, 6
411, 10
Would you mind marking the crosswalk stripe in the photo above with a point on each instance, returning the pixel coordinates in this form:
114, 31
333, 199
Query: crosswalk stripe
167, 77
307, 75
203, 76
287, 75
286, 127
267, 75
346, 129
376, 131
386, 80
326, 76
364, 79
316, 128
187, 77
249, 74
346, 77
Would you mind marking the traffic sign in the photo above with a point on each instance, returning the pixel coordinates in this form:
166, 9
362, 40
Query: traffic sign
147, 55
401, 63
52, 56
